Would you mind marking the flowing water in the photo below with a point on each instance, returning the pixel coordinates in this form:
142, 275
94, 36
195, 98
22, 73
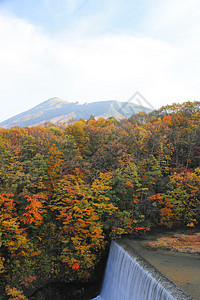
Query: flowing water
181, 268
129, 277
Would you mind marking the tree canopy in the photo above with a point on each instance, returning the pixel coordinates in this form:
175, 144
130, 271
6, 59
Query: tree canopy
65, 191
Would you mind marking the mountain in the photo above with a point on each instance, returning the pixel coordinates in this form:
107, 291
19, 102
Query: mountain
57, 110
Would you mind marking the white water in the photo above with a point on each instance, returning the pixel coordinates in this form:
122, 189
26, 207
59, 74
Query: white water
125, 279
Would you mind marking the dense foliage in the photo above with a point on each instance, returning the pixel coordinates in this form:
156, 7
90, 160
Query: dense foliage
66, 190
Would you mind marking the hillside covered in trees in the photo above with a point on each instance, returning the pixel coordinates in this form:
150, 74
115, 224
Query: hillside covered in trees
66, 191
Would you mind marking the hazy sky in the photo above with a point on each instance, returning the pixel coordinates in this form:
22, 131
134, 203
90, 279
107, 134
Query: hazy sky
96, 50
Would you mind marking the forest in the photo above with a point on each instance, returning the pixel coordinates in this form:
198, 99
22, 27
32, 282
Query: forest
67, 190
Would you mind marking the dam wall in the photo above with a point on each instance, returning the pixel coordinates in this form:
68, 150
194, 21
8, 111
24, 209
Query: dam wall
130, 277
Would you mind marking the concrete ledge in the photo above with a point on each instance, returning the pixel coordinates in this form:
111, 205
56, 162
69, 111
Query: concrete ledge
170, 286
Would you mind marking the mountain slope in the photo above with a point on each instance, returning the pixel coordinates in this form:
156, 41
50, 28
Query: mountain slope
57, 110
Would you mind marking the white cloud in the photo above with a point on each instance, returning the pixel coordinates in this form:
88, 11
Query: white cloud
114, 67
35, 67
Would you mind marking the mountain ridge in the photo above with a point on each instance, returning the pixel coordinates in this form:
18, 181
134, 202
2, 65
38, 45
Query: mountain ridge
58, 110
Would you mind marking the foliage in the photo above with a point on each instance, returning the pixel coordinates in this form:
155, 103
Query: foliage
65, 191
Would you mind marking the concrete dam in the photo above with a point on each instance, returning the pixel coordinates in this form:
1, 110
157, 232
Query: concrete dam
130, 277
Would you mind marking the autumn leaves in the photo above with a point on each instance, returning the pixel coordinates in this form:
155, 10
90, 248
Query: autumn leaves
67, 190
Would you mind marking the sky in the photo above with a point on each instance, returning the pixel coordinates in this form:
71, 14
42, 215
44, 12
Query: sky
98, 50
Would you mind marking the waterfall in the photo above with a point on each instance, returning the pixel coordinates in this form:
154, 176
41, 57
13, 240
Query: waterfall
129, 277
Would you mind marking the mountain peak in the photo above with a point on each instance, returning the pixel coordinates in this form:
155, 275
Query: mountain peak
58, 110
52, 101
56, 99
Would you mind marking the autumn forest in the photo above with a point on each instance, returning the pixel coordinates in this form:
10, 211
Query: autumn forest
67, 190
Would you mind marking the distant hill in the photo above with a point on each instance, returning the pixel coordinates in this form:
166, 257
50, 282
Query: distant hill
57, 110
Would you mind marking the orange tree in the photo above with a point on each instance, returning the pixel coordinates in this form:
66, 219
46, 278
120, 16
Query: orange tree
18, 250
183, 191
180, 204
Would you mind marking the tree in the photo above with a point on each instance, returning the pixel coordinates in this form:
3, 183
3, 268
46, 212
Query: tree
79, 209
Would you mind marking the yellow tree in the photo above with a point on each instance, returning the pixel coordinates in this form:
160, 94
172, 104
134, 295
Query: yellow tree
79, 209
